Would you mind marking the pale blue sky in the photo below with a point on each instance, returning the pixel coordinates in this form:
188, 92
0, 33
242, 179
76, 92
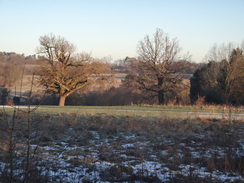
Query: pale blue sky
114, 27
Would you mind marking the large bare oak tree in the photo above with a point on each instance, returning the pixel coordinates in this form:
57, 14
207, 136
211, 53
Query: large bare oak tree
157, 70
62, 71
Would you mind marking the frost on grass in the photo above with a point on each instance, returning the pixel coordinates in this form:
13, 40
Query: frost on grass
109, 149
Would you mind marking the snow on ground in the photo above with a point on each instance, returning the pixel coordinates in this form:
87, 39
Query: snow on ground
121, 156
76, 163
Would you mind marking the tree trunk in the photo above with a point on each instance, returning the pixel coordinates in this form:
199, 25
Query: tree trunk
160, 91
160, 97
62, 100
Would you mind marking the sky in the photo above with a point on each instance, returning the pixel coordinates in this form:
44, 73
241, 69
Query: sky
113, 28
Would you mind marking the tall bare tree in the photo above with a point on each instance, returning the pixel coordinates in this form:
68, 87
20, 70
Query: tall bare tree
64, 72
157, 71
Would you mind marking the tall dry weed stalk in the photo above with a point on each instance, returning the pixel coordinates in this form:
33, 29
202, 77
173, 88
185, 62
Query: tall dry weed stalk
17, 131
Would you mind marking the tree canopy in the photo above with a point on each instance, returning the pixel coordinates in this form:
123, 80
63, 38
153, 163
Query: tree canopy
64, 72
157, 71
220, 82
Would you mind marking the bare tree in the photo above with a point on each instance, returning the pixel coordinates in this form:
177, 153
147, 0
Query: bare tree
157, 71
62, 71
219, 52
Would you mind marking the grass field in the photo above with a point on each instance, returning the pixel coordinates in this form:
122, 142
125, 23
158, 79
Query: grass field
169, 144
183, 112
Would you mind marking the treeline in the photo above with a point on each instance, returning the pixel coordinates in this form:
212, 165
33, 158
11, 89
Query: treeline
12, 66
160, 79
102, 94
221, 81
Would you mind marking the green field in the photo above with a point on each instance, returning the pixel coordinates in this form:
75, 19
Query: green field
183, 112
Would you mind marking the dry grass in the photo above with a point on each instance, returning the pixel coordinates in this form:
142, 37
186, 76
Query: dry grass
211, 143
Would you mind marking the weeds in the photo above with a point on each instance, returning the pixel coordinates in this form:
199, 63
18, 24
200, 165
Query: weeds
123, 149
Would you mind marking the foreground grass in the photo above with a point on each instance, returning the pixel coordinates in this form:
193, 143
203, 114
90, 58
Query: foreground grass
94, 146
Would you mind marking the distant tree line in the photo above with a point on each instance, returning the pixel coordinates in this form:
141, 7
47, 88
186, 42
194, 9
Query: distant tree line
12, 66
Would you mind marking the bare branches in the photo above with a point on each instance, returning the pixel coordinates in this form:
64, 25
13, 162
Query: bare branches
222, 52
55, 49
158, 50
64, 72
158, 68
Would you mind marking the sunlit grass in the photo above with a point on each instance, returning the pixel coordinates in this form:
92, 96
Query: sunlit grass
180, 112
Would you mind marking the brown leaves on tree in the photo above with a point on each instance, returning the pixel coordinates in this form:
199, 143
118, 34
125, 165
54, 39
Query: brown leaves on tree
64, 72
